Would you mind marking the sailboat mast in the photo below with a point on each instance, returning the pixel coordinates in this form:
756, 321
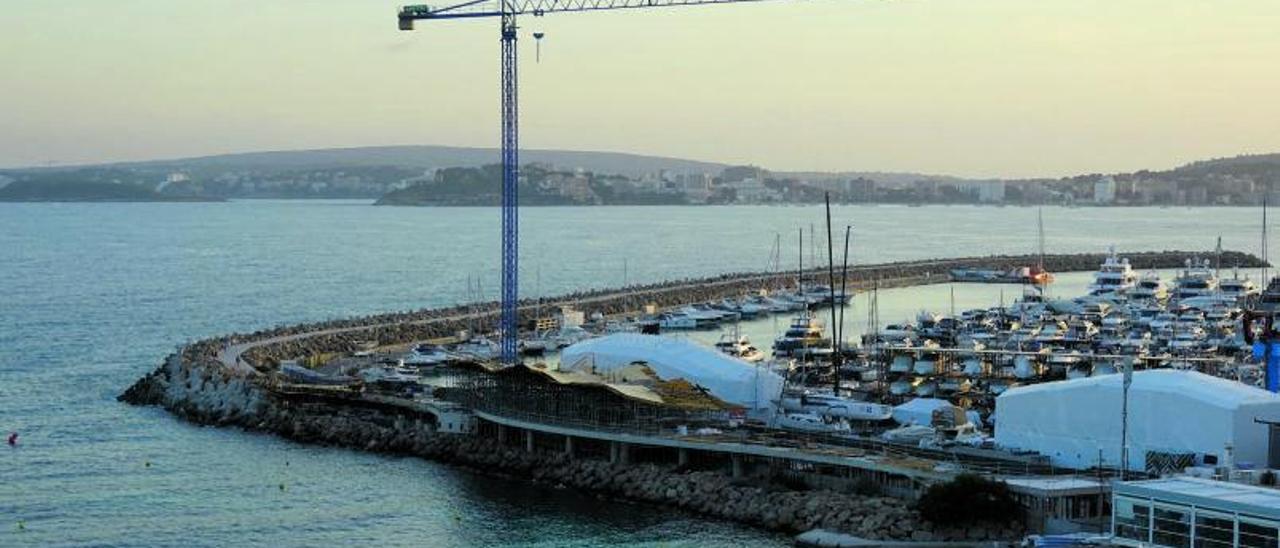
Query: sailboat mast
800, 272
844, 279
1217, 260
831, 282
1040, 235
1264, 239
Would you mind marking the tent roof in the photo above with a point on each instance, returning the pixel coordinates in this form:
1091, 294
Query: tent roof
1207, 389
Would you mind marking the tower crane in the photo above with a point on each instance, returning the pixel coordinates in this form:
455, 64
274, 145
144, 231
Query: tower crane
506, 12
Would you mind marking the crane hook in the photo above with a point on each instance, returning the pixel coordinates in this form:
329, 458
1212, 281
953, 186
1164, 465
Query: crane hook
537, 37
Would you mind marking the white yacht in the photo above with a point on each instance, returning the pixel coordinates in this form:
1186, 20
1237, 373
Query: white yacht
739, 347
1115, 277
1150, 287
1195, 280
805, 333
705, 316
677, 320
809, 422
835, 406
426, 355
1237, 287
478, 348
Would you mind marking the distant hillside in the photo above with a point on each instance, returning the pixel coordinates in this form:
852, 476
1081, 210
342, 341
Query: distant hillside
431, 157
81, 191
1266, 166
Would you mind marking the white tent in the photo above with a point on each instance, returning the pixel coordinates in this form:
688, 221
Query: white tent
732, 380
919, 411
1169, 411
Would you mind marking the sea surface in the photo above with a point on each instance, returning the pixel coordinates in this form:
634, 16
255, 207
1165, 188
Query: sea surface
92, 296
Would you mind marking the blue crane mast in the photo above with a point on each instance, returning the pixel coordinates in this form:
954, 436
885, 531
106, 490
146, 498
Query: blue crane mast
506, 11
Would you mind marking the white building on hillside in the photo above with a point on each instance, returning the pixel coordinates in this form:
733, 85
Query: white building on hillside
1104, 190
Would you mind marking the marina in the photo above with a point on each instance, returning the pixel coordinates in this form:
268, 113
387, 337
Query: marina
893, 410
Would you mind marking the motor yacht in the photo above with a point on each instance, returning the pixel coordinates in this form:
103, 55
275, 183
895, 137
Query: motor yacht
804, 333
1150, 288
1236, 287
739, 347
809, 422
1196, 279
477, 348
425, 355
1114, 277
679, 320
835, 406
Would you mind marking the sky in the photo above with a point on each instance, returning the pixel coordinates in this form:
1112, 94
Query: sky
976, 88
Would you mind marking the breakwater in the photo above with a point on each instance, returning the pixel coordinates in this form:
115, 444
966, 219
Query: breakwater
266, 348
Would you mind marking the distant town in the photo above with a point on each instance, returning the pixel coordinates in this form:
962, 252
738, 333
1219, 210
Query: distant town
615, 179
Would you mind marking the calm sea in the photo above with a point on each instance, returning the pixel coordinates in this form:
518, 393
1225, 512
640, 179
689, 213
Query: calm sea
93, 295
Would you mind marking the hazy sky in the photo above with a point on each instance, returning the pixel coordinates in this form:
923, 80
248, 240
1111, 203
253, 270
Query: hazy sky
966, 87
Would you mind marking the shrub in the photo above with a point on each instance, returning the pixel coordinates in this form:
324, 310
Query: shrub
969, 499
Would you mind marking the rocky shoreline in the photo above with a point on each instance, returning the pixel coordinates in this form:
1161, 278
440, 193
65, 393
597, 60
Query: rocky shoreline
221, 398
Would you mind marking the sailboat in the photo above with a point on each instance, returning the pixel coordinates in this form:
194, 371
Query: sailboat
1037, 274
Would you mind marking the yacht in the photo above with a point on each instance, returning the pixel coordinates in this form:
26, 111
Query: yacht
426, 355
536, 346
745, 308
809, 422
774, 305
926, 388
900, 387
739, 347
925, 365
678, 320
835, 406
569, 335
1237, 287
1269, 299
1195, 280
705, 316
478, 348
896, 332
1114, 277
805, 333
975, 367
955, 385
911, 434
1150, 288
900, 364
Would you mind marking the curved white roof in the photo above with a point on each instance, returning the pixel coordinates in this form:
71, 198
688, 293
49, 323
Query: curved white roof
726, 377
1207, 389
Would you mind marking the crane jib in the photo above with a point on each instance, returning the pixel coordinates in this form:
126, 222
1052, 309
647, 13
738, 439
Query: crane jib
490, 8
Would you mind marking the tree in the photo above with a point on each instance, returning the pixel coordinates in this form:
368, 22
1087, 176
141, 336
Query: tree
969, 499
